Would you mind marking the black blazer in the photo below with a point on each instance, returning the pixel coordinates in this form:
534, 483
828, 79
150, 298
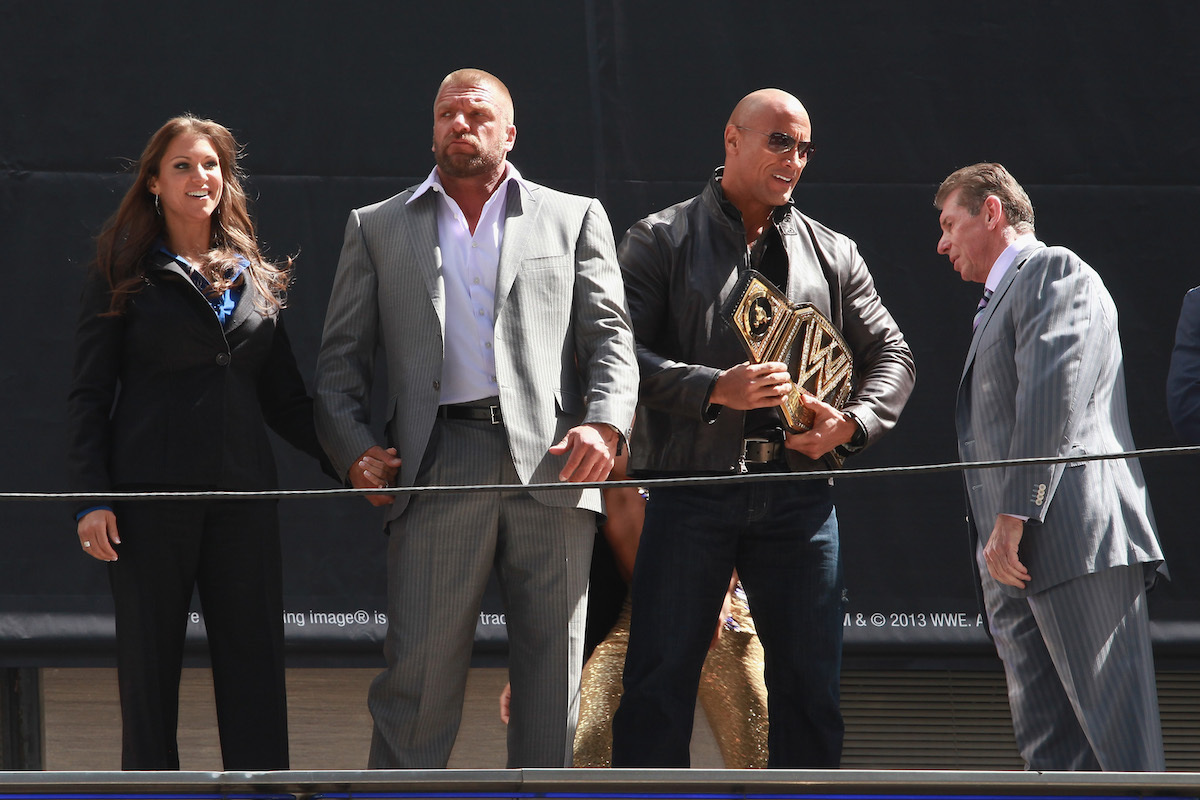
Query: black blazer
163, 396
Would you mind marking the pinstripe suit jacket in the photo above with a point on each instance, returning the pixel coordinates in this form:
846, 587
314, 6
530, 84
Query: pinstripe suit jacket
1044, 377
1183, 378
563, 343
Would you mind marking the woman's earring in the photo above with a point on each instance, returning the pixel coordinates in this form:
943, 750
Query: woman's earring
157, 207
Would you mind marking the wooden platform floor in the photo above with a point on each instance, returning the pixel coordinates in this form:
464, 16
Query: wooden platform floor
328, 721
895, 719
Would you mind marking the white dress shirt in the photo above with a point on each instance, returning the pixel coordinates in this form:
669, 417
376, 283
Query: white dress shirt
469, 264
1007, 258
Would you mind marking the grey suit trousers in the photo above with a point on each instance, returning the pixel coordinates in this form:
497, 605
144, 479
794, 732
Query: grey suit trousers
1080, 671
441, 552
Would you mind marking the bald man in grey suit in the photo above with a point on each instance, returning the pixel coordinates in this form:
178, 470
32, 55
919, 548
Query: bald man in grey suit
510, 360
1065, 551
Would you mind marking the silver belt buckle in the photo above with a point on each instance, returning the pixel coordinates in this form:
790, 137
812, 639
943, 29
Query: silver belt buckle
495, 414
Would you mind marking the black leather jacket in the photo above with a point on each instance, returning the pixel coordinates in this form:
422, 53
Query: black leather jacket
680, 266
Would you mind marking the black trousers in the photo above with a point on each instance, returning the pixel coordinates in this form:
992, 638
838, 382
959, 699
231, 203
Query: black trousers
230, 552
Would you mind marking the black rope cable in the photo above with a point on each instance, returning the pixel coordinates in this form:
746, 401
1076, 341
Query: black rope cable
648, 483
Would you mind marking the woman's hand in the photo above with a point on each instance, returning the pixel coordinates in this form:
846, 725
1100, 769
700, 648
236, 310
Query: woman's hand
375, 469
98, 533
505, 702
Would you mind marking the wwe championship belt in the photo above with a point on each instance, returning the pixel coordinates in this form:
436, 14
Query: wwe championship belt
774, 329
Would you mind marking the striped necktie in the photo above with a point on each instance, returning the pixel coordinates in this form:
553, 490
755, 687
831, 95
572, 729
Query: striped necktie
983, 301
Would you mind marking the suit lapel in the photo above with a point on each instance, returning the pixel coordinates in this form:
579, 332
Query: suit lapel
421, 219
994, 303
520, 217
246, 304
162, 261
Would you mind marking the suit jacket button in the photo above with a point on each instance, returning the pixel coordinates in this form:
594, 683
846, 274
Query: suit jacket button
222, 359
437, 386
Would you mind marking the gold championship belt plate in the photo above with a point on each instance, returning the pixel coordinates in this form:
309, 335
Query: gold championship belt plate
772, 328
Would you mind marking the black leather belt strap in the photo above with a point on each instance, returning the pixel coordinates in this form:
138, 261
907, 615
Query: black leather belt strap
760, 451
489, 414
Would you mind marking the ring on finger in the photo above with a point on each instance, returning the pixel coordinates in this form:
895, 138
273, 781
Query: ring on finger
87, 544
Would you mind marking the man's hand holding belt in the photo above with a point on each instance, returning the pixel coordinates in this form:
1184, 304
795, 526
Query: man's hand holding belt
830, 429
748, 386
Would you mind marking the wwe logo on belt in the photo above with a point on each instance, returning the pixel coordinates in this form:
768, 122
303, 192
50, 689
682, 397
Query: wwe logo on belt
830, 367
772, 328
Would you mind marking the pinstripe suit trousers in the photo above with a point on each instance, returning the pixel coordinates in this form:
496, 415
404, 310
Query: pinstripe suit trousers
1080, 671
440, 554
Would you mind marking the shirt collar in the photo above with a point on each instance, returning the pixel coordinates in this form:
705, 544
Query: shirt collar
241, 267
435, 183
1007, 258
731, 211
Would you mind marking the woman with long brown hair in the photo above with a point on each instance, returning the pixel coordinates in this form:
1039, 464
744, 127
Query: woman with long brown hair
181, 361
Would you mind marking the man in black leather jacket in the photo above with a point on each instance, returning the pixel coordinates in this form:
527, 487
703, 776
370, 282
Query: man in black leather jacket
706, 411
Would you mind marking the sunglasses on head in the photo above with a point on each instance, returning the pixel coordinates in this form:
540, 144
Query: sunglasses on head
781, 143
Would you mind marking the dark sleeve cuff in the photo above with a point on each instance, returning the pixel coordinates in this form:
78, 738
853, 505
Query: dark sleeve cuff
87, 511
859, 440
711, 411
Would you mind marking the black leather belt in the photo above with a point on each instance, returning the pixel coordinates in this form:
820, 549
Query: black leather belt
490, 414
762, 451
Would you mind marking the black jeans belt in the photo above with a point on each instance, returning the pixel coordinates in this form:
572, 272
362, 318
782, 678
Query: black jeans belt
761, 451
476, 413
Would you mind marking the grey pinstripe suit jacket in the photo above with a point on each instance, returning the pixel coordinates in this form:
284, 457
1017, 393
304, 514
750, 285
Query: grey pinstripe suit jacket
563, 342
1044, 377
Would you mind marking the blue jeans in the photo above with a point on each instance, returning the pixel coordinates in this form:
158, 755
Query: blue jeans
782, 537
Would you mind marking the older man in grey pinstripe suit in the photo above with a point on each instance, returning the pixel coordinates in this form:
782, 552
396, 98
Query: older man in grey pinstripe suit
1065, 551
501, 311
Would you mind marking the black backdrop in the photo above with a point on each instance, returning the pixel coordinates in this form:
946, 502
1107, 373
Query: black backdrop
1092, 105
